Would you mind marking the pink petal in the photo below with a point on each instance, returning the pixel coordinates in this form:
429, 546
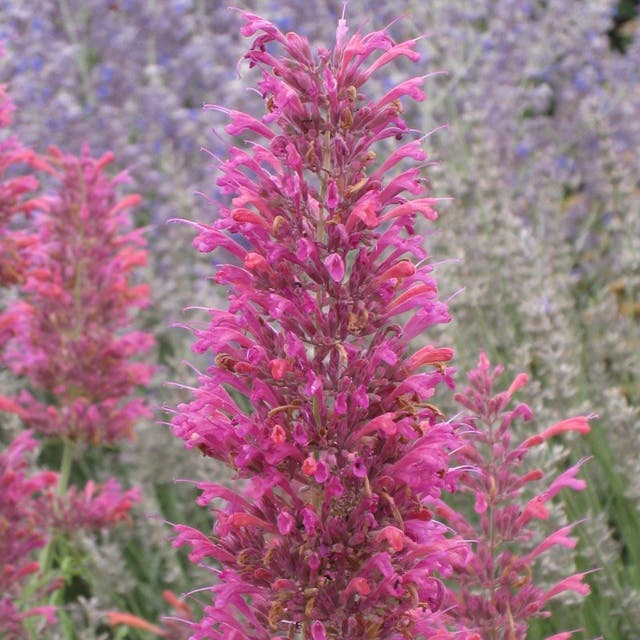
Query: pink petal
335, 266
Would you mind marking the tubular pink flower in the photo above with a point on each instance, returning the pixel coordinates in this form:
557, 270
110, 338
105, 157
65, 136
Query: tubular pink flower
429, 355
579, 424
563, 635
559, 537
572, 583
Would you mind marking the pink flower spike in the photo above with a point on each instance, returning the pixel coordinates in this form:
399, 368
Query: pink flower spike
73, 342
335, 266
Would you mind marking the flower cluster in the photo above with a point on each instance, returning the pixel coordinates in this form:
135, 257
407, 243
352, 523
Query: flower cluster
341, 448
24, 507
92, 508
70, 339
494, 591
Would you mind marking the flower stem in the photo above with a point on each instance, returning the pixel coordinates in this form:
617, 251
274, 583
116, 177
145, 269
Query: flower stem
46, 556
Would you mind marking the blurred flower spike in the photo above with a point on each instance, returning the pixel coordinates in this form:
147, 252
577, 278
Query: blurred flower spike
70, 330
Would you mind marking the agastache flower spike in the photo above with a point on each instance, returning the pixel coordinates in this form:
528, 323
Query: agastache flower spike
341, 448
70, 335
495, 591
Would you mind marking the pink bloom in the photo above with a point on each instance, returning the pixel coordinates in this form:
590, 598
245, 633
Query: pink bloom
579, 424
335, 266
563, 635
93, 507
572, 583
429, 355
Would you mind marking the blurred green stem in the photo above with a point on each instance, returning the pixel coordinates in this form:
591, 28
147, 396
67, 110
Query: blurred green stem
63, 484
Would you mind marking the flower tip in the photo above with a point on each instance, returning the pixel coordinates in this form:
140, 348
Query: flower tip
116, 617
335, 267
520, 381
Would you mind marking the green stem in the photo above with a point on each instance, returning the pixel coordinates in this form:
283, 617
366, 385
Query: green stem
65, 467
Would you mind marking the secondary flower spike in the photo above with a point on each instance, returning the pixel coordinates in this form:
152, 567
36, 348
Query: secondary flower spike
496, 591
72, 337
315, 397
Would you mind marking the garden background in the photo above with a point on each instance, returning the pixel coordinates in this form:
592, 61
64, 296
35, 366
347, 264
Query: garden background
539, 250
